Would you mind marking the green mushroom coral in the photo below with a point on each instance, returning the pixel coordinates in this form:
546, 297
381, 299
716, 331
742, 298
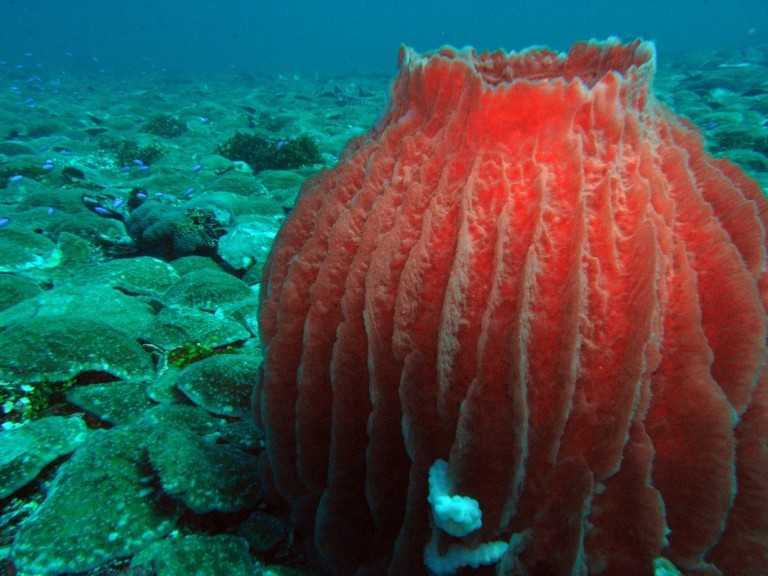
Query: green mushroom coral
100, 507
56, 349
26, 450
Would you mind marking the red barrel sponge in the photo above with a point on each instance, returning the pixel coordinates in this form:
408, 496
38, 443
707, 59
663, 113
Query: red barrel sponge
523, 320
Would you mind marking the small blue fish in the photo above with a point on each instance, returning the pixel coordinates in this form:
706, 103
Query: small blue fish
117, 202
188, 192
48, 165
280, 143
16, 178
141, 196
101, 211
51, 211
138, 162
711, 125
196, 167
4, 221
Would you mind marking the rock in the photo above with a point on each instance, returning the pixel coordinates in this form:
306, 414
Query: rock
26, 450
221, 384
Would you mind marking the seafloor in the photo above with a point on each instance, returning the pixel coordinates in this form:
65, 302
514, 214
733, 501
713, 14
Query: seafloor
135, 216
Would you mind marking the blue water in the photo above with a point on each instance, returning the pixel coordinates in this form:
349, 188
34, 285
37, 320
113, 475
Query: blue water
304, 36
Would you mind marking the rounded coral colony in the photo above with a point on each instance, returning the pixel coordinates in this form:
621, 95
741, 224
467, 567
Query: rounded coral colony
522, 326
